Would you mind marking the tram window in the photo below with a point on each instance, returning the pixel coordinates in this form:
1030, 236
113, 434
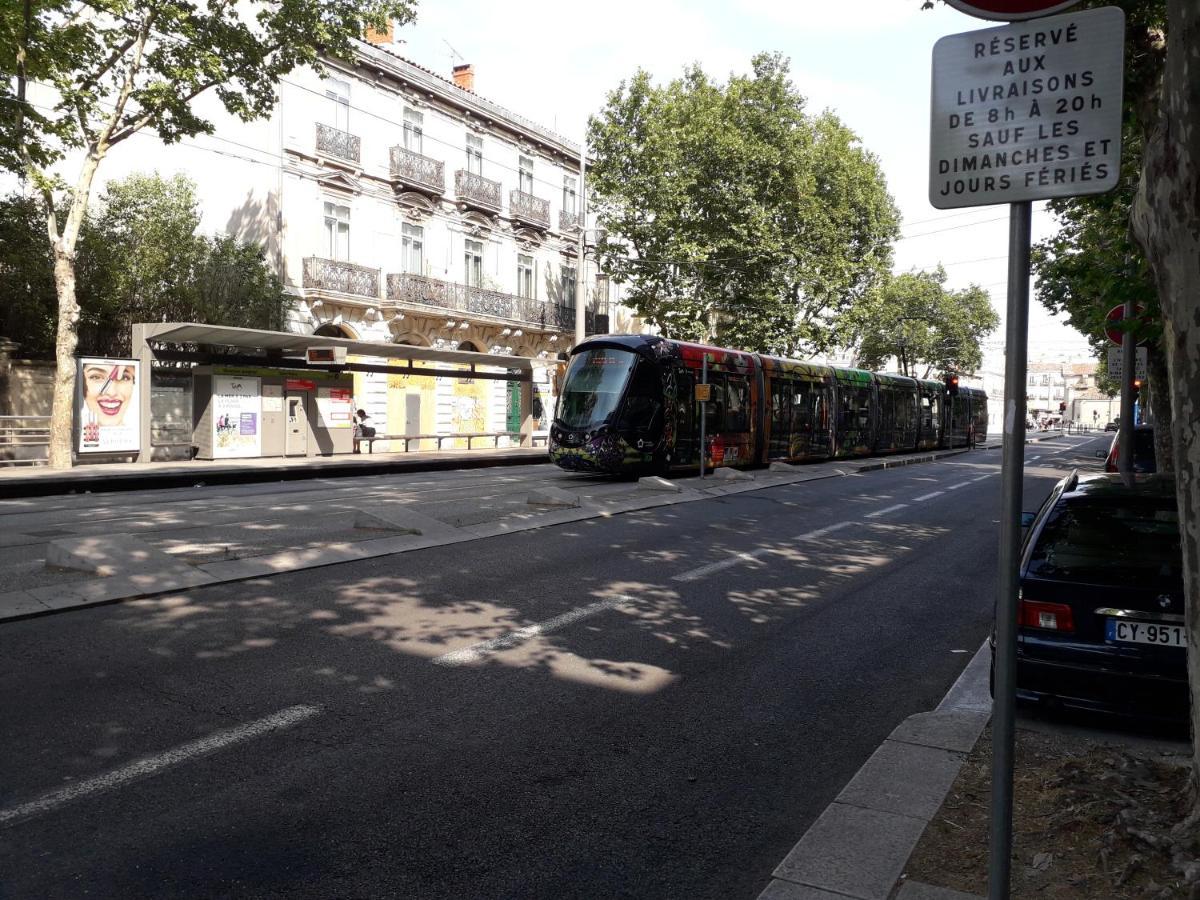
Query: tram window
737, 405
802, 408
714, 409
781, 406
643, 400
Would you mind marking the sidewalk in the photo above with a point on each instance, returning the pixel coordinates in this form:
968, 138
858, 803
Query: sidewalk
82, 551
859, 846
22, 481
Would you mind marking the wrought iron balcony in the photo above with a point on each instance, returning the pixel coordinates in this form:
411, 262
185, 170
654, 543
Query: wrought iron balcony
341, 144
334, 275
529, 209
417, 290
569, 221
411, 169
476, 190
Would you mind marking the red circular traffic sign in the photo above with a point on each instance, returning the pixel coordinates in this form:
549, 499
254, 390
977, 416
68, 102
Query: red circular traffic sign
1117, 314
1010, 10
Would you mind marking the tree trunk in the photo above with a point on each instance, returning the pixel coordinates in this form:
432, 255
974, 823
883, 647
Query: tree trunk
1158, 382
1166, 222
67, 338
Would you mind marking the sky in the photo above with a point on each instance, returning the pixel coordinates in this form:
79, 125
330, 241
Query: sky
867, 60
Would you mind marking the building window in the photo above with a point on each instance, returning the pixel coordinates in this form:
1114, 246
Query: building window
525, 175
412, 247
568, 285
570, 195
414, 131
525, 276
473, 264
600, 295
474, 154
337, 231
338, 94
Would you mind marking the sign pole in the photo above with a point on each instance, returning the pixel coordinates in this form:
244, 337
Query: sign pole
703, 408
1012, 476
1125, 435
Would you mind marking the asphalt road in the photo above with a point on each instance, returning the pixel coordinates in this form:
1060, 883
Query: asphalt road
649, 705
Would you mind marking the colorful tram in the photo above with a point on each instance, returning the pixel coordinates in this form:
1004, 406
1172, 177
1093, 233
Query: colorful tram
627, 406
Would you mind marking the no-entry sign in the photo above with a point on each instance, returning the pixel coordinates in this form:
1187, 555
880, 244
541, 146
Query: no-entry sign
1115, 316
1010, 10
1028, 111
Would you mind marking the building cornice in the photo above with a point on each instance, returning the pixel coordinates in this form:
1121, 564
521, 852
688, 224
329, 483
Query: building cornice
469, 102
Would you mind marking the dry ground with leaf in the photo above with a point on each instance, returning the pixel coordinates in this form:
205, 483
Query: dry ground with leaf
1091, 819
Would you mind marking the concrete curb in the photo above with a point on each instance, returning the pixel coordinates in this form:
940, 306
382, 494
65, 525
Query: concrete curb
52, 599
858, 847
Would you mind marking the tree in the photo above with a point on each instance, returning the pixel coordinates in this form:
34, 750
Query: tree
1166, 223
1093, 263
914, 318
114, 68
731, 214
138, 259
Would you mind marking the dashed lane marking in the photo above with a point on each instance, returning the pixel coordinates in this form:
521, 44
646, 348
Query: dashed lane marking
738, 559
477, 652
955, 487
885, 511
152, 765
925, 497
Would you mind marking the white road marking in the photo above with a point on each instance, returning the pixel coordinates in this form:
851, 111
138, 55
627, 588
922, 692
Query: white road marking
885, 511
924, 497
739, 558
736, 560
152, 765
821, 532
983, 477
1032, 459
477, 652
955, 487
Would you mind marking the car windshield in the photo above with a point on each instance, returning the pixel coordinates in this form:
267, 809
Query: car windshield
1110, 543
593, 386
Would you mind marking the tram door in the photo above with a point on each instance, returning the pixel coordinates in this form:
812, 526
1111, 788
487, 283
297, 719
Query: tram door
296, 438
687, 424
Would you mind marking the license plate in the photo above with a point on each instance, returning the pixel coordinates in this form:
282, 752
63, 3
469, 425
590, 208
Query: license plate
1127, 632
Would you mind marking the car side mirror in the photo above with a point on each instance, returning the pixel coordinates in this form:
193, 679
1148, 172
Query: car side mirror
1101, 454
1027, 519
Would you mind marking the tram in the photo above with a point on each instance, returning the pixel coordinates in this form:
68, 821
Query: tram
626, 407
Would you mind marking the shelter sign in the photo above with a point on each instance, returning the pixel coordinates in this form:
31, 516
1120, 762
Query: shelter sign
1028, 111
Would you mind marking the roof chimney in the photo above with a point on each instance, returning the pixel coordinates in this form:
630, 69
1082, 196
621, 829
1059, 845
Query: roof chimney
380, 37
464, 77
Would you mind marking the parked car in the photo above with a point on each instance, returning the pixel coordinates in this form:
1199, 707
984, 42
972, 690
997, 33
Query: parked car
1144, 460
1112, 426
1101, 602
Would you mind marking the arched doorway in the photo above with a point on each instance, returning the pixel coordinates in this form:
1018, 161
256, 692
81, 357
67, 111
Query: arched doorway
469, 346
337, 331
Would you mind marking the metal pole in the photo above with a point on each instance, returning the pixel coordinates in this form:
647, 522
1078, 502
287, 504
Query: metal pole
703, 406
1005, 686
580, 313
1128, 373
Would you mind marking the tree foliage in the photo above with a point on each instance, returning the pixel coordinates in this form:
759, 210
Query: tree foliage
927, 328
733, 215
140, 260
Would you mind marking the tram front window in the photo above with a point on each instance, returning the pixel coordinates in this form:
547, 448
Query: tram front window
593, 387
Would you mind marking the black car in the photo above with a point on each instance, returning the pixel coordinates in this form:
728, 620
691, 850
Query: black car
1144, 459
1101, 604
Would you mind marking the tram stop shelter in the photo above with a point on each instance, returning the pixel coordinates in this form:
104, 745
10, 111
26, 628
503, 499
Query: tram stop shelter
256, 393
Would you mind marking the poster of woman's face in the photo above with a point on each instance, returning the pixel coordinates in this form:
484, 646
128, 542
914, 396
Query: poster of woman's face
108, 414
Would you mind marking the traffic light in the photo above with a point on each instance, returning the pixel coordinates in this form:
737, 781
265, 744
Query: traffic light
1137, 389
952, 385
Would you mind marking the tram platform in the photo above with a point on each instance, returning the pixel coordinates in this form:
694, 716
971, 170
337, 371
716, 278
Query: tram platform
109, 477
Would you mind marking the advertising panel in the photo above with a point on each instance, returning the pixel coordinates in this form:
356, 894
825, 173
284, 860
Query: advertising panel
236, 416
335, 407
107, 405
